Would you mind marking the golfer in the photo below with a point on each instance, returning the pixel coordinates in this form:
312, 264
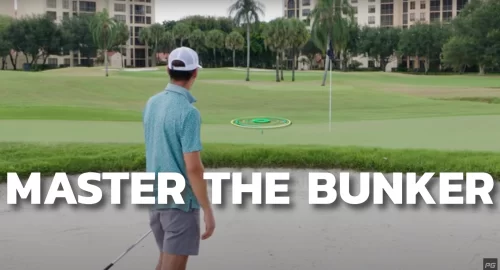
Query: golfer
172, 138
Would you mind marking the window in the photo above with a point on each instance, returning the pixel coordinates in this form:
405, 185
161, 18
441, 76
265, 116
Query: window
120, 7
371, 19
121, 18
355, 10
386, 20
65, 4
148, 20
67, 61
412, 17
290, 14
65, 15
447, 16
306, 3
306, 12
422, 16
461, 4
52, 61
387, 10
371, 9
371, 63
422, 4
405, 18
148, 9
435, 5
405, 7
447, 5
412, 5
87, 6
51, 3
371, 1
435, 17
354, 1
52, 15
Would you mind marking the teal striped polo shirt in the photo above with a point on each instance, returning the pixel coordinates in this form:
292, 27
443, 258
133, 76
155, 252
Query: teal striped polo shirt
171, 128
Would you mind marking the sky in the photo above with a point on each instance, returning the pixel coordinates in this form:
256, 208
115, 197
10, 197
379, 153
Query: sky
177, 9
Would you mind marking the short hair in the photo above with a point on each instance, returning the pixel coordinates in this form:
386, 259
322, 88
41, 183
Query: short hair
180, 75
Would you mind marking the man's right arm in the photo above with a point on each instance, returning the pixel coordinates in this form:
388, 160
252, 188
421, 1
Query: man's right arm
191, 147
195, 171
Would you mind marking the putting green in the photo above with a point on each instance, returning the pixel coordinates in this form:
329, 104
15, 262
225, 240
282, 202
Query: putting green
445, 133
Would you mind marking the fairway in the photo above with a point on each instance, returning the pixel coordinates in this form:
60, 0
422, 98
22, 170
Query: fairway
369, 108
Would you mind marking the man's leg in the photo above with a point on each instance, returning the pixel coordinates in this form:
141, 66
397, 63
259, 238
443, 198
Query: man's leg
159, 234
182, 238
173, 262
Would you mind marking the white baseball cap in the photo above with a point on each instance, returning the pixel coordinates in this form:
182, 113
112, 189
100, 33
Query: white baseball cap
187, 56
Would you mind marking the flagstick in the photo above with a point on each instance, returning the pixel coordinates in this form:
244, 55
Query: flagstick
330, 60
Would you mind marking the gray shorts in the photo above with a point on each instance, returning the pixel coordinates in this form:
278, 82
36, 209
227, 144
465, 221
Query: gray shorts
176, 232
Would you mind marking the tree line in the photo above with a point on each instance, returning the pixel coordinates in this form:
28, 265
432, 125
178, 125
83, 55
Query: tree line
471, 41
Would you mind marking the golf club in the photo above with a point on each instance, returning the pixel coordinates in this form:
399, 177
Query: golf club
126, 251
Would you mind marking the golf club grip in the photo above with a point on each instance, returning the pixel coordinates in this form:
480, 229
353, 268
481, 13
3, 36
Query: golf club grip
109, 266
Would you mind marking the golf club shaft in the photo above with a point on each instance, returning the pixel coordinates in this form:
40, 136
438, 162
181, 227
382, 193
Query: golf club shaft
126, 251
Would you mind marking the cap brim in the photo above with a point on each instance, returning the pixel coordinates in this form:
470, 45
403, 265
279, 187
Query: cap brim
200, 66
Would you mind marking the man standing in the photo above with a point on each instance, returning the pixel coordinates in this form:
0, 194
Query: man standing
173, 144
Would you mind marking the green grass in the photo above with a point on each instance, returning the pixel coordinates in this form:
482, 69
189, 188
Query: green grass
79, 158
371, 110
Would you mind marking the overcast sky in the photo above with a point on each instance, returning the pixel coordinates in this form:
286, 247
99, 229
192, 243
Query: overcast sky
177, 9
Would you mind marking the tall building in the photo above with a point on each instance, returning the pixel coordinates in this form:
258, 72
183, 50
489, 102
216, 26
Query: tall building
137, 14
386, 13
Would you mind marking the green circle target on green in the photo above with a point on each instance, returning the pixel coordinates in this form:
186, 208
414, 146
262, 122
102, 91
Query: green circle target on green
261, 122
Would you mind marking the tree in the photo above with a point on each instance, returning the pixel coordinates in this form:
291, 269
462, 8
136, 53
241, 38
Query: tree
5, 45
167, 42
330, 22
104, 32
297, 38
381, 43
247, 12
152, 37
479, 22
121, 39
197, 40
235, 41
459, 52
181, 32
35, 36
77, 35
275, 39
215, 40
424, 40
353, 43
145, 37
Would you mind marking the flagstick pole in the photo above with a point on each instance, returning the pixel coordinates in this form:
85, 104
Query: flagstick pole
330, 116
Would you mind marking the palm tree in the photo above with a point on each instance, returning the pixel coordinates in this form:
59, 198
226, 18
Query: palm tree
156, 32
167, 42
297, 38
235, 41
247, 12
181, 32
329, 24
145, 37
215, 40
122, 38
276, 40
197, 40
104, 31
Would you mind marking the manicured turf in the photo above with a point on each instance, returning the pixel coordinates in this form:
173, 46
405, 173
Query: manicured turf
369, 109
377, 119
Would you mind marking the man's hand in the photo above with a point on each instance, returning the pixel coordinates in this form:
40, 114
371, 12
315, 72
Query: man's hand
209, 224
